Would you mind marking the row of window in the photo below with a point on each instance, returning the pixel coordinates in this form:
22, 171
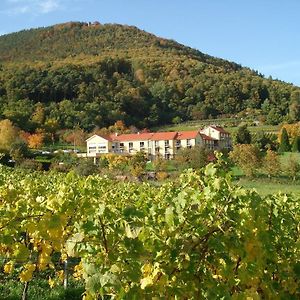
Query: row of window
100, 148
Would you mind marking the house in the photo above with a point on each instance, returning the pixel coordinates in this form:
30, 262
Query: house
221, 138
164, 144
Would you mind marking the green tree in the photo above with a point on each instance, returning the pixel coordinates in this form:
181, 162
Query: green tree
196, 158
294, 108
243, 135
296, 144
284, 145
19, 151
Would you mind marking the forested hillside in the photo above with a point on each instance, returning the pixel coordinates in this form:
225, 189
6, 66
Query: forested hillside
91, 75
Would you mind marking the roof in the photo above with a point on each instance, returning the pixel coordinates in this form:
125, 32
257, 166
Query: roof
132, 137
160, 136
219, 128
108, 138
185, 135
207, 137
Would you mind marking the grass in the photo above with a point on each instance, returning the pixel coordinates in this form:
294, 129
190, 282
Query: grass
264, 185
226, 123
40, 289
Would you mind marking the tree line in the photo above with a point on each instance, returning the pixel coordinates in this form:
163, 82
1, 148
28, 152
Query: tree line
92, 81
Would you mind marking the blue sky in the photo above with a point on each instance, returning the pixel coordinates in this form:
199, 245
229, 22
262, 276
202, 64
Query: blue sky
260, 34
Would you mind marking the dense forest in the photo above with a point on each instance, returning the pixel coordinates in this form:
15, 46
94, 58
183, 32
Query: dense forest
91, 75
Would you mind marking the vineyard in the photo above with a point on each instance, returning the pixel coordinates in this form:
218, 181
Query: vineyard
199, 237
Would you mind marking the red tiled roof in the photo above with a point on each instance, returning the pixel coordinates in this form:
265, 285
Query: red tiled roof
220, 129
184, 135
160, 136
132, 137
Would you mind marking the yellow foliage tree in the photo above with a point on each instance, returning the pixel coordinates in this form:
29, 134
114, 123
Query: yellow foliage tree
9, 134
36, 140
293, 130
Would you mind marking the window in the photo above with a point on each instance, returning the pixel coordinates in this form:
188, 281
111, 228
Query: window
92, 149
178, 144
101, 149
167, 143
142, 146
130, 146
188, 143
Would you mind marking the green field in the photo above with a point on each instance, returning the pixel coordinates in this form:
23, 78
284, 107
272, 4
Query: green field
230, 124
264, 185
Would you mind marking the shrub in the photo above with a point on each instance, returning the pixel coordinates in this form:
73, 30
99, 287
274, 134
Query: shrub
85, 168
162, 175
31, 164
60, 167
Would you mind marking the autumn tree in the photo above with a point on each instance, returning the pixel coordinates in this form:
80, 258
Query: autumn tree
137, 164
51, 127
292, 167
9, 134
271, 163
76, 137
36, 140
38, 116
247, 157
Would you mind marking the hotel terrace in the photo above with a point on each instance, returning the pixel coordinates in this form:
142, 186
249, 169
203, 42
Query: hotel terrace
164, 144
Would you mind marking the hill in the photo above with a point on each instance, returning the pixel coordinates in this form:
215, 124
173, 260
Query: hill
92, 75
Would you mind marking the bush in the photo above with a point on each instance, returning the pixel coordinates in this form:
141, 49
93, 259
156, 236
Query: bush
31, 164
162, 175
86, 168
60, 167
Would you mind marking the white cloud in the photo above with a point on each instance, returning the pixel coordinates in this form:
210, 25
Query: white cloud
48, 6
34, 7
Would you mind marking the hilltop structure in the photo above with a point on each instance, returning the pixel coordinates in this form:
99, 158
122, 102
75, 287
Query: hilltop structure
164, 144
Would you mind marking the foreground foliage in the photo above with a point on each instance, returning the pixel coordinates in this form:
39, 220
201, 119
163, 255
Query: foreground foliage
200, 237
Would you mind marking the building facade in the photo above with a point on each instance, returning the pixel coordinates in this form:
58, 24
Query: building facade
163, 144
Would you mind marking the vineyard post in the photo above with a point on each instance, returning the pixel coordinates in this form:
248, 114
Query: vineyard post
65, 274
24, 294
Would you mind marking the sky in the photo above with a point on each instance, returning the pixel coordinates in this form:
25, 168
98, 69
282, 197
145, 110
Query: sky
260, 34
